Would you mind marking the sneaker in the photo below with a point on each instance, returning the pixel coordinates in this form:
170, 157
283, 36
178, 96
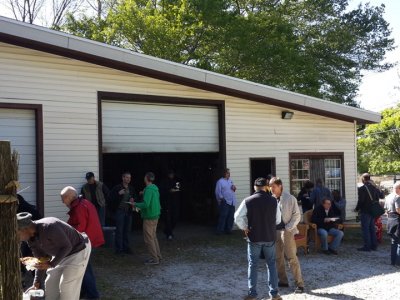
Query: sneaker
327, 252
283, 285
299, 290
169, 238
333, 251
151, 262
363, 249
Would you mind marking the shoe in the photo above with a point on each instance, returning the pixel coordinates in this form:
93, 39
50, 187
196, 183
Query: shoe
151, 262
333, 251
283, 285
276, 297
299, 290
248, 297
327, 252
169, 238
363, 249
374, 249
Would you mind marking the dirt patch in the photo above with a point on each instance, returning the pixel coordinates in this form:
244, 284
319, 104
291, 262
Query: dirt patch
200, 265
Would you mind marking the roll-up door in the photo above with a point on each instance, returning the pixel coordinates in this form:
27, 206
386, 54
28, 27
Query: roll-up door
141, 128
18, 127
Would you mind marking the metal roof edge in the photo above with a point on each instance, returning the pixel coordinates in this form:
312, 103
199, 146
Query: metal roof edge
187, 73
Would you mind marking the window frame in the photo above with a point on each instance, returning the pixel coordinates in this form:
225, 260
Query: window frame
319, 155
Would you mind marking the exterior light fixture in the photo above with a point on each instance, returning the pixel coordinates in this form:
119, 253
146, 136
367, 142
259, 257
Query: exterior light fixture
287, 115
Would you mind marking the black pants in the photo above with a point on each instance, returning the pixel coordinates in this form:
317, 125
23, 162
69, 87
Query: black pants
171, 215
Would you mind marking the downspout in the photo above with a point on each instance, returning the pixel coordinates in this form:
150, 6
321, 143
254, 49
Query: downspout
355, 161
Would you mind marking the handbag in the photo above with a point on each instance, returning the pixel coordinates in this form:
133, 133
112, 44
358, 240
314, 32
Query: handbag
375, 210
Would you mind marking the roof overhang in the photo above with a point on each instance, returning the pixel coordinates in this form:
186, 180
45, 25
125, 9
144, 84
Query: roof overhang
66, 45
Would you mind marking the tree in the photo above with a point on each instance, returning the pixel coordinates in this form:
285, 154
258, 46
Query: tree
379, 145
315, 47
46, 12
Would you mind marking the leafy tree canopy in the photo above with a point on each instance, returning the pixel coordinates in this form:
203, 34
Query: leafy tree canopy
315, 47
379, 145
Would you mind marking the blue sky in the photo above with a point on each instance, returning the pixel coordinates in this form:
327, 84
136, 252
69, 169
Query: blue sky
378, 90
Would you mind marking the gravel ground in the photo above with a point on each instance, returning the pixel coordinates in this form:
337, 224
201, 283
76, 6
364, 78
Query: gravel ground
200, 265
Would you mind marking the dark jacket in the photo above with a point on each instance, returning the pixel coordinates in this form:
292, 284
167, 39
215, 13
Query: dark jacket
319, 215
96, 193
115, 198
364, 200
305, 198
24, 206
167, 197
261, 215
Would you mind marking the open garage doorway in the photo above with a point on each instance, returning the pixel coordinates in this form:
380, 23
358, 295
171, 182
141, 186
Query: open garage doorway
196, 172
142, 133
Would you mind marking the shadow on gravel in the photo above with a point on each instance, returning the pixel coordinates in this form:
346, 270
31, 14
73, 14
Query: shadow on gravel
200, 265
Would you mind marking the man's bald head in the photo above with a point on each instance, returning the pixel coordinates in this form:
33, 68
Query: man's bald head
68, 195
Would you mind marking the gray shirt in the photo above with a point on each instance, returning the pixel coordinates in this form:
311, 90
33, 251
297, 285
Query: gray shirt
54, 238
392, 203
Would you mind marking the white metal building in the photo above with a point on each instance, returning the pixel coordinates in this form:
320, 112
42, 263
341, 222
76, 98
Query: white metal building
71, 105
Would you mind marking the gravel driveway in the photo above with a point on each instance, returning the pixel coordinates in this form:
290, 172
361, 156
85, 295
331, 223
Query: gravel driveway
200, 265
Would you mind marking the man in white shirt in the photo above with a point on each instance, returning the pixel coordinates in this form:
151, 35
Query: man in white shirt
226, 199
257, 216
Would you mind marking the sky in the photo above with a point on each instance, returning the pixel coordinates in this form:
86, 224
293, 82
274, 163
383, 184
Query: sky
378, 89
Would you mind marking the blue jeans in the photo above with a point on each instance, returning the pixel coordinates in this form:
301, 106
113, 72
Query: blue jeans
226, 217
337, 238
393, 224
368, 231
89, 288
395, 253
253, 256
123, 224
101, 211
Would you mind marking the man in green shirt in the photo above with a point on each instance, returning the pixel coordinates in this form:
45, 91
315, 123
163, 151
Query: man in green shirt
150, 212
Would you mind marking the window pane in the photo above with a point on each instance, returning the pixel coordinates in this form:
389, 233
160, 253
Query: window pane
300, 171
333, 174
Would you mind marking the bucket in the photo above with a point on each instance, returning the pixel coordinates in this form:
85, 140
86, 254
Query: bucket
109, 236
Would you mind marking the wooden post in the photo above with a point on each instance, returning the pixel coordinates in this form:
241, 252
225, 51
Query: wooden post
10, 272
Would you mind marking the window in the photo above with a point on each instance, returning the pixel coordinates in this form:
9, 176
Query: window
300, 172
313, 166
333, 174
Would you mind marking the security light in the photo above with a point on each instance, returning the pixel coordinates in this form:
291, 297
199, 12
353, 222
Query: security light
287, 115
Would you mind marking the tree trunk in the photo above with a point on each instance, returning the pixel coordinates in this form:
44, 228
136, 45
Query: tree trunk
10, 273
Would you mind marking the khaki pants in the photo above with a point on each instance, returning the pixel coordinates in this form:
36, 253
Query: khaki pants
150, 238
63, 282
286, 247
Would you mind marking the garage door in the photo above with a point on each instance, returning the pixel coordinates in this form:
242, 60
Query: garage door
18, 127
141, 128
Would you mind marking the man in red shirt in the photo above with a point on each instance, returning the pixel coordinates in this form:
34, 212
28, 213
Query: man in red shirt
84, 218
